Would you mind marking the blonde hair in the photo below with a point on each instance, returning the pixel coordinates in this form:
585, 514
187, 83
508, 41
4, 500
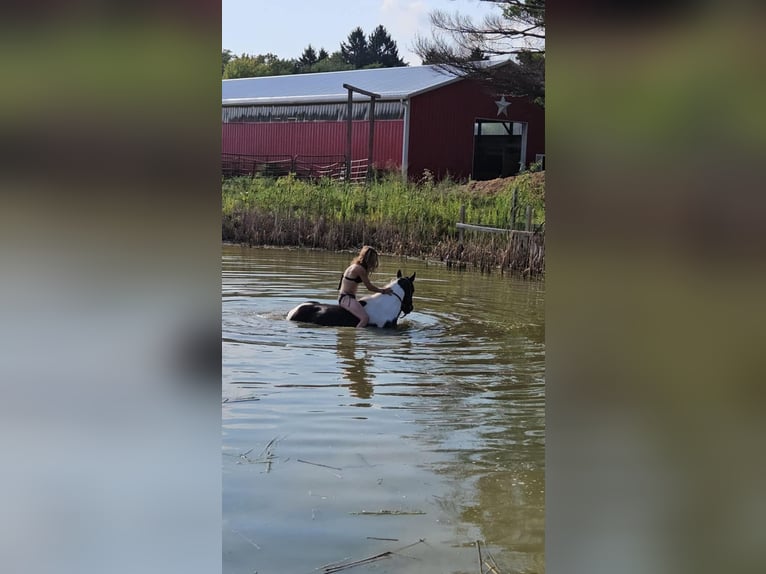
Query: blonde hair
367, 258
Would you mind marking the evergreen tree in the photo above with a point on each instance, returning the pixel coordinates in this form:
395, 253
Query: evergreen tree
322, 54
382, 49
307, 59
355, 51
430, 56
309, 56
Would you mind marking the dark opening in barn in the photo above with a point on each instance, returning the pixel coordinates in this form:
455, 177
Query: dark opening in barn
497, 149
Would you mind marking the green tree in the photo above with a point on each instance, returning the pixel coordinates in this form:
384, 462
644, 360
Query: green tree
227, 56
430, 56
355, 51
279, 67
382, 49
332, 63
529, 15
243, 66
307, 59
322, 54
247, 66
516, 32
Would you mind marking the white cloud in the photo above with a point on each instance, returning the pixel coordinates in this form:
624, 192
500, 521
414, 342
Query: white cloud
404, 20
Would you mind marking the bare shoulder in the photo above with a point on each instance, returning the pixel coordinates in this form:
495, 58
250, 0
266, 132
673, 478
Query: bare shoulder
356, 270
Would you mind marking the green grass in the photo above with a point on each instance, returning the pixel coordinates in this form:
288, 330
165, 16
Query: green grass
398, 218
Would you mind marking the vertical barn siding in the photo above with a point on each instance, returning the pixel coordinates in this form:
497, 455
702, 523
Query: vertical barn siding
315, 138
441, 127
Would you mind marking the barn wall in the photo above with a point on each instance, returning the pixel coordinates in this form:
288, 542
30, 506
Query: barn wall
315, 138
441, 127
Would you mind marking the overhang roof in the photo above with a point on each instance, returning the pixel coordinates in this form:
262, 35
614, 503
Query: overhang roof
390, 83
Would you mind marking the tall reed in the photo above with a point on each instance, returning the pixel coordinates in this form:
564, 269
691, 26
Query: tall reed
413, 219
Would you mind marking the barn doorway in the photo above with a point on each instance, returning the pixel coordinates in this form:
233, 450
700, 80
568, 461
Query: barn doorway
498, 148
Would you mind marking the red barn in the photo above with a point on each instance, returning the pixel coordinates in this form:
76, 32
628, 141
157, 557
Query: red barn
425, 119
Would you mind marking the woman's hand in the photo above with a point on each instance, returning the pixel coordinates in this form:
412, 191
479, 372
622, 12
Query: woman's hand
386, 290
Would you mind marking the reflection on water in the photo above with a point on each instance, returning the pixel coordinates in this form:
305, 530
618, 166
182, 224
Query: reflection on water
354, 360
448, 446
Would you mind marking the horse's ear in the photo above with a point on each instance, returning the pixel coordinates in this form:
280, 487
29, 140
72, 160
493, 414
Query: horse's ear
412, 277
399, 274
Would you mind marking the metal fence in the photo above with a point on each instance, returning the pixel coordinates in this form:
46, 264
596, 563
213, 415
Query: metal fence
302, 166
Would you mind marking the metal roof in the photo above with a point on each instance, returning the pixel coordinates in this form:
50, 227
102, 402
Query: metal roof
390, 83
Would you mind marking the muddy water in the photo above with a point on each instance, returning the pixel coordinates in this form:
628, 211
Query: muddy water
343, 444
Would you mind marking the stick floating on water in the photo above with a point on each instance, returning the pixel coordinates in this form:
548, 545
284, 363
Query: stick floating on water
481, 564
318, 464
489, 561
377, 538
337, 567
386, 512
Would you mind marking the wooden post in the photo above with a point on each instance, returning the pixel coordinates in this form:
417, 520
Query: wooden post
513, 208
372, 96
349, 126
529, 218
372, 139
462, 220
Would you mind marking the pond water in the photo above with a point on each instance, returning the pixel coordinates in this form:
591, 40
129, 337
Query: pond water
342, 444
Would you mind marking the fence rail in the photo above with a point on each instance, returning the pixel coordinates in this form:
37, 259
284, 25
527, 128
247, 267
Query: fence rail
303, 166
358, 171
482, 228
526, 248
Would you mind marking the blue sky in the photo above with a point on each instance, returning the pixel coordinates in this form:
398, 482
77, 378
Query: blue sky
286, 27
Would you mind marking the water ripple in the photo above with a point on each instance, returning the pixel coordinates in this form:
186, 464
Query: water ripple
447, 412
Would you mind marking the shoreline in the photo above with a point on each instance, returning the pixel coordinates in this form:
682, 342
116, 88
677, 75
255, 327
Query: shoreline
458, 266
401, 220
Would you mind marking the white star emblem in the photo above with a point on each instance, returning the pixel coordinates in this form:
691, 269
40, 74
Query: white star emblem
502, 105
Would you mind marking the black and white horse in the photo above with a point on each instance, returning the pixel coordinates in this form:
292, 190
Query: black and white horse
383, 310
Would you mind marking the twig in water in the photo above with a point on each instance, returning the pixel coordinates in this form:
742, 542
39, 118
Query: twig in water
481, 564
318, 464
331, 564
491, 564
386, 512
266, 457
420, 541
266, 450
337, 567
376, 538
246, 538
242, 400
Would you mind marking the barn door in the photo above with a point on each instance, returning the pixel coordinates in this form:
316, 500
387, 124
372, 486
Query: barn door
497, 148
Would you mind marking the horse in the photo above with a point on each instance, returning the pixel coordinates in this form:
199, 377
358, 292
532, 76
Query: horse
384, 310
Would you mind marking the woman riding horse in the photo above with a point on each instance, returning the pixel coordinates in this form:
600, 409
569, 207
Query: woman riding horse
383, 311
358, 272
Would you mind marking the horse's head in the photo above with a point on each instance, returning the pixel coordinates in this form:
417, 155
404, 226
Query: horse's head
408, 286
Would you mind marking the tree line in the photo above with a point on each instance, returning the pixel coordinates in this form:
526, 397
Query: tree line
378, 50
515, 32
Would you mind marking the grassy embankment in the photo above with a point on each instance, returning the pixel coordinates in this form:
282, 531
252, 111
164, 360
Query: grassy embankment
397, 218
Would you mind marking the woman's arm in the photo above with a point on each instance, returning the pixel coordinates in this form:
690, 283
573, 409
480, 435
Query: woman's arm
366, 280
